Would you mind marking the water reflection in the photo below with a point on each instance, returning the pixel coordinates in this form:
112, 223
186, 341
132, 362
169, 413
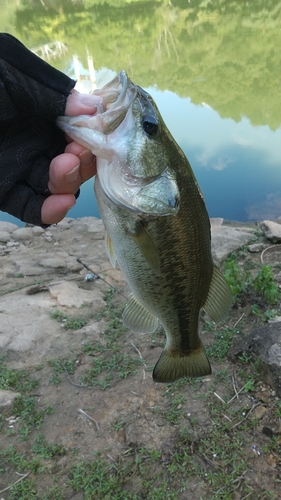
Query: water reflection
212, 67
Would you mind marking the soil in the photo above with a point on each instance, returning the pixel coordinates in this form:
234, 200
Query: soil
218, 437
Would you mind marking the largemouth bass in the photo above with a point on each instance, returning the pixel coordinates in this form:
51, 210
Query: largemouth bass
157, 225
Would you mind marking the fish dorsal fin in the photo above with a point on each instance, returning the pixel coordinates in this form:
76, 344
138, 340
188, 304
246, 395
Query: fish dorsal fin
110, 250
146, 246
137, 318
219, 298
173, 365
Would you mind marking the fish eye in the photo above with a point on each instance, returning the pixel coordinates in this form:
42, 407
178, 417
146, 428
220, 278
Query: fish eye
150, 124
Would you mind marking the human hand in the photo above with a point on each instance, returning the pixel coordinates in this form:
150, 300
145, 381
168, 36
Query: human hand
71, 168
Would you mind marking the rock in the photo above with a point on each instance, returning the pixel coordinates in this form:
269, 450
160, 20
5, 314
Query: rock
216, 221
226, 240
65, 223
4, 236
23, 234
7, 397
272, 230
94, 330
275, 320
11, 244
263, 343
256, 247
53, 262
37, 230
7, 226
68, 294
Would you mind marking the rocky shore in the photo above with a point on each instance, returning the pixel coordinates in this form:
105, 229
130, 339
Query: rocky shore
54, 310
32, 256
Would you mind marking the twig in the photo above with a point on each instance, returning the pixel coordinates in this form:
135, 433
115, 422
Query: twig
136, 349
141, 357
236, 394
204, 457
227, 418
234, 387
222, 400
23, 476
247, 495
77, 385
238, 321
88, 417
238, 479
243, 420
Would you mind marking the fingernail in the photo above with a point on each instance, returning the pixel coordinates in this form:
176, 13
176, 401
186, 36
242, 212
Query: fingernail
73, 174
86, 158
69, 208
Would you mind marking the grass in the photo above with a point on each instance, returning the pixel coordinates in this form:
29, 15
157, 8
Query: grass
16, 380
110, 359
46, 450
221, 343
29, 417
242, 280
207, 430
69, 323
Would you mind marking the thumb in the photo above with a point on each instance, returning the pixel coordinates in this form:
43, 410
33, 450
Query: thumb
83, 104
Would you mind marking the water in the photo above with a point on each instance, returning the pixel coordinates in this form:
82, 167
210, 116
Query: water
213, 68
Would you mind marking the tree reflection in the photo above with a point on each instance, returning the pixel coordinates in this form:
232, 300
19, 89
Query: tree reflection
221, 52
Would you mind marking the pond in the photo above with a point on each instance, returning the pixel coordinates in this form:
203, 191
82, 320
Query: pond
212, 66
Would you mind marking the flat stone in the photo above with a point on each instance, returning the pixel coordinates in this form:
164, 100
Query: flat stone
53, 262
8, 226
256, 247
69, 295
272, 230
11, 244
7, 397
72, 265
23, 234
265, 344
94, 330
64, 224
37, 230
4, 236
216, 221
226, 240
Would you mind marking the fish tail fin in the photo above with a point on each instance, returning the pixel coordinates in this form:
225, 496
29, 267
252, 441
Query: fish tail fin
174, 364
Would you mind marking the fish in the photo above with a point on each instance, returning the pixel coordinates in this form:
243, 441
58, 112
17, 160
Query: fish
157, 227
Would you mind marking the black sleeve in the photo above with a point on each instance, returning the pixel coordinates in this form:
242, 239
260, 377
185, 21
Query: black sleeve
32, 95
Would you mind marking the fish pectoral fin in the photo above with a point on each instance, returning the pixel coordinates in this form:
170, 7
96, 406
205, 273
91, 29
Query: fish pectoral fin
110, 250
173, 365
137, 318
146, 246
219, 299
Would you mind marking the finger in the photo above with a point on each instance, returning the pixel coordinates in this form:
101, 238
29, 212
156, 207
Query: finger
83, 104
64, 174
55, 208
88, 166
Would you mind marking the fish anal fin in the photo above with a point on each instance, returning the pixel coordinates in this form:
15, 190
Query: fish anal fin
173, 365
110, 250
137, 318
219, 299
146, 246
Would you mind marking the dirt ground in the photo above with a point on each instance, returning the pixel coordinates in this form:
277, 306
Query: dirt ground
88, 422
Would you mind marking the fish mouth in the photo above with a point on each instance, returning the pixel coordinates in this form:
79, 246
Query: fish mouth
111, 135
118, 95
